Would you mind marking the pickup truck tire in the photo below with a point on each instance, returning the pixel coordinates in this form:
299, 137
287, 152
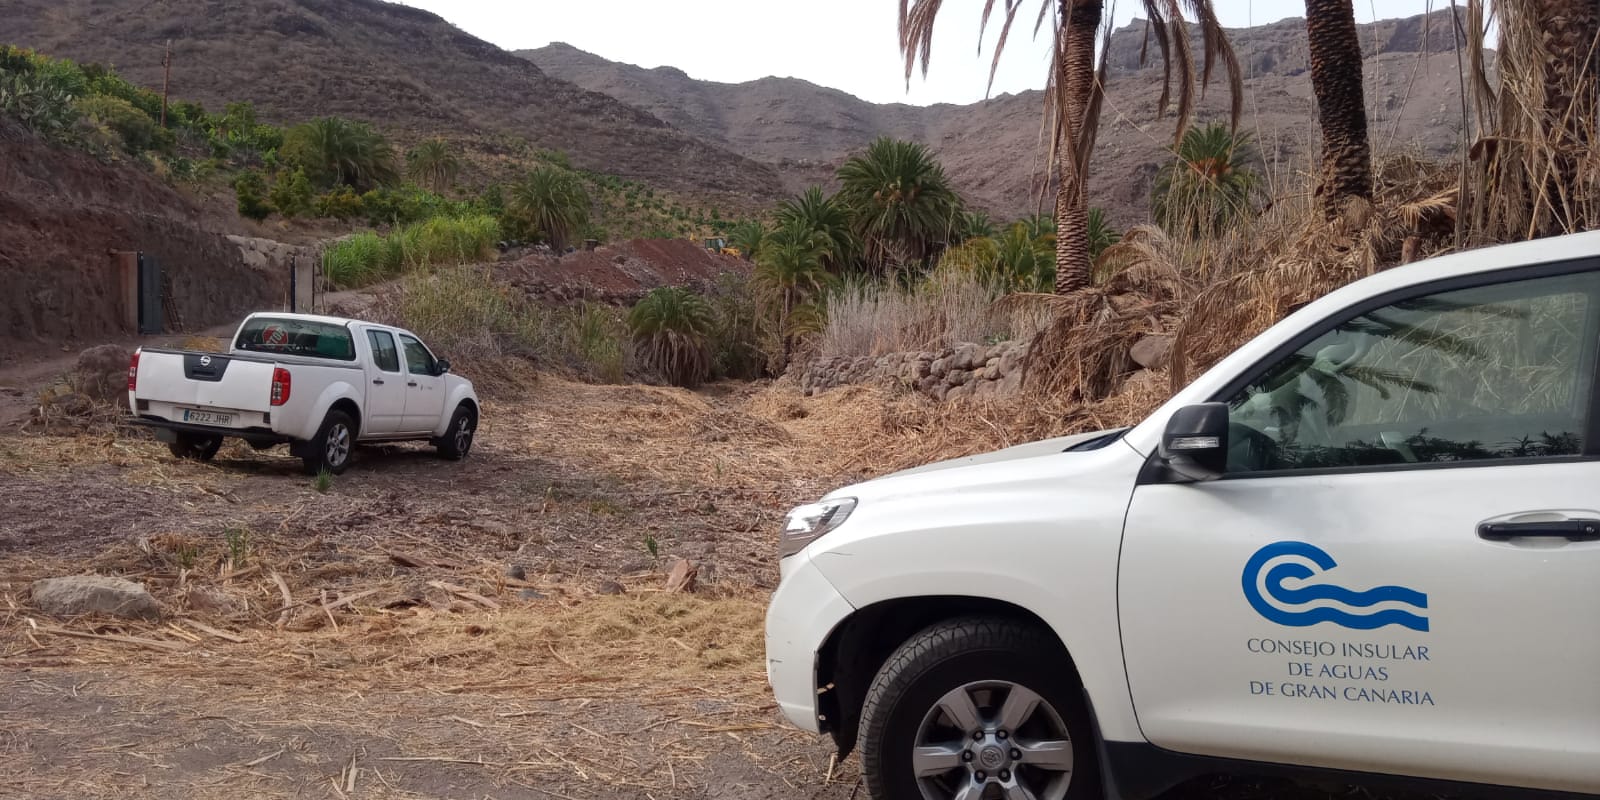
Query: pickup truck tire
978, 707
332, 447
195, 447
456, 442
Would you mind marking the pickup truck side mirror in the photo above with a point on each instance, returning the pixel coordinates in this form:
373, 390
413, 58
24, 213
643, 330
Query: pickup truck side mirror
441, 366
1195, 443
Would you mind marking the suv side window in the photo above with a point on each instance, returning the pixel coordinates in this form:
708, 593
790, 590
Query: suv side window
384, 354
1487, 373
418, 360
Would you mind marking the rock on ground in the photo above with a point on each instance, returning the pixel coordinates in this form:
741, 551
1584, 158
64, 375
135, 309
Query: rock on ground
94, 594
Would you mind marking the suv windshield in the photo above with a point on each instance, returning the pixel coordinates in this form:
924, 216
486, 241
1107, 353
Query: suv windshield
297, 337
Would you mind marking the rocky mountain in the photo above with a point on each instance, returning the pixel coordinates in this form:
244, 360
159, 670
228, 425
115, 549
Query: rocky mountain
994, 149
408, 71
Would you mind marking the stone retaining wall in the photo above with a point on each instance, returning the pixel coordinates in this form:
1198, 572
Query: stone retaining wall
965, 371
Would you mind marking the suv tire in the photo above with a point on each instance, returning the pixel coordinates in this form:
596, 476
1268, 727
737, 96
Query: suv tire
1025, 721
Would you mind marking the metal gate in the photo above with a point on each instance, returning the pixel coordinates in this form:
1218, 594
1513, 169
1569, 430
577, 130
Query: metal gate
151, 318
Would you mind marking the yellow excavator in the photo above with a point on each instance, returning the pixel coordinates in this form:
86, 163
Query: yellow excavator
720, 245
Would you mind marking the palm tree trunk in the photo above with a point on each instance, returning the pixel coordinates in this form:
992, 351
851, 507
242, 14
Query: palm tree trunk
1341, 106
1571, 28
1075, 55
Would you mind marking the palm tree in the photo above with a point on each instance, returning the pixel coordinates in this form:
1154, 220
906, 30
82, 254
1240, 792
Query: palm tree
902, 200
433, 164
336, 151
973, 225
1076, 89
1341, 105
1101, 235
549, 203
791, 275
1540, 122
1208, 185
748, 236
826, 215
672, 328
1024, 261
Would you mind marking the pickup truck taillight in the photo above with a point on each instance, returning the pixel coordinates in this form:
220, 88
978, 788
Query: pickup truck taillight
133, 372
280, 386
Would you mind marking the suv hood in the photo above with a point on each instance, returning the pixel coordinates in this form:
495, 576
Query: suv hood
1017, 453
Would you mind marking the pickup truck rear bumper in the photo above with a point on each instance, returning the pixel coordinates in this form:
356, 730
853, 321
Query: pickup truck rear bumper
167, 430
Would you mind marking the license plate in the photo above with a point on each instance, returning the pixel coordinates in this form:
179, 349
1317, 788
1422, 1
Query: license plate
207, 417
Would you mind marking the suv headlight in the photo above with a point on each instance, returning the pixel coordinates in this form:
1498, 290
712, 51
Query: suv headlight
807, 523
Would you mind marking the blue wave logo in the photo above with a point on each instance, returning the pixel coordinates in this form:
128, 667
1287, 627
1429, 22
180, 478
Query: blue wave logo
1283, 561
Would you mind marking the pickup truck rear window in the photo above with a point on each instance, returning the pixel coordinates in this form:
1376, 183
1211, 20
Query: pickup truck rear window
297, 337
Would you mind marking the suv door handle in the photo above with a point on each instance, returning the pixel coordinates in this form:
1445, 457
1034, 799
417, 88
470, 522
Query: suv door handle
1573, 530
411, 383
377, 381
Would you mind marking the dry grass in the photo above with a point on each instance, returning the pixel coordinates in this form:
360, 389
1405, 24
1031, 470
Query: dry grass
948, 308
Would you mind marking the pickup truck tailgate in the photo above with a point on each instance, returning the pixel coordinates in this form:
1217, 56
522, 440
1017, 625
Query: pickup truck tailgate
205, 380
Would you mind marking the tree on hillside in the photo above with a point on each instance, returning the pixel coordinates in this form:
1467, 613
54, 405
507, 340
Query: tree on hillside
791, 275
336, 151
433, 164
902, 201
828, 216
549, 203
1341, 105
1075, 92
1208, 184
1536, 158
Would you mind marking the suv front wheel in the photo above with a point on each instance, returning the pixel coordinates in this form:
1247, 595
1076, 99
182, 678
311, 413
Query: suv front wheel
978, 709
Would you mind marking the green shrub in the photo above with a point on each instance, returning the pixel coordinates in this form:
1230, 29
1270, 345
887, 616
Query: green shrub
137, 130
356, 260
292, 194
40, 103
333, 151
457, 240
594, 342
740, 343
251, 190
672, 328
340, 203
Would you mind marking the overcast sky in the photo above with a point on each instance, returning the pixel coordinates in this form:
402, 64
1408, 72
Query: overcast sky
845, 44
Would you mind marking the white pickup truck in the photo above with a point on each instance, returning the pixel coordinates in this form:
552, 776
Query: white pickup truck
1364, 547
319, 384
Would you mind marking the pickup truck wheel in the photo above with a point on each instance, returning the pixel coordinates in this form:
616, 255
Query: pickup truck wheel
977, 708
331, 448
457, 440
195, 447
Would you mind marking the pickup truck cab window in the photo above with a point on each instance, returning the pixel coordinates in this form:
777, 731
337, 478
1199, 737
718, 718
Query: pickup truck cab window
296, 337
384, 354
1494, 372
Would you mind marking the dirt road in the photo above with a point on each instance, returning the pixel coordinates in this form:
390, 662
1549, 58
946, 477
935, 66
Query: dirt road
407, 663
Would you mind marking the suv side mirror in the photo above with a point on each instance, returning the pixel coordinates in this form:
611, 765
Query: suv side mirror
441, 366
1195, 443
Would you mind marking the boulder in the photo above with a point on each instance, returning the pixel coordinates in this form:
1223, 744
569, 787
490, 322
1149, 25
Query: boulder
94, 594
958, 377
1152, 352
1011, 382
609, 587
969, 355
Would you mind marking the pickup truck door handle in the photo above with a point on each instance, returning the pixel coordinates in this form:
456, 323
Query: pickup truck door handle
377, 381
1573, 530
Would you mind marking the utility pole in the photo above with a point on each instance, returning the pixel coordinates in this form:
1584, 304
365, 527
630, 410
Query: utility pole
166, 81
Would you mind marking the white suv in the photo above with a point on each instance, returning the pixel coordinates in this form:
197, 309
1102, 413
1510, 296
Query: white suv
1366, 545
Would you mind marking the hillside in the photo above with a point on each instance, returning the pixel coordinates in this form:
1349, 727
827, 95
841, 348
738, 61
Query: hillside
408, 71
993, 149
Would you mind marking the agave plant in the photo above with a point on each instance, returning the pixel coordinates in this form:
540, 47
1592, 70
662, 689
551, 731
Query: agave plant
672, 329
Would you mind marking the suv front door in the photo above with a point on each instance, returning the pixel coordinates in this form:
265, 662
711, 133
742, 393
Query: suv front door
1381, 581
